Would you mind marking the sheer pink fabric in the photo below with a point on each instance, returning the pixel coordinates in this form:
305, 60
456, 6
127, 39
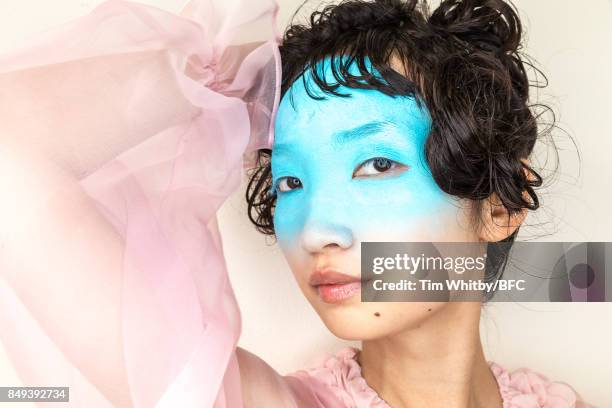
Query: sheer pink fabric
194, 94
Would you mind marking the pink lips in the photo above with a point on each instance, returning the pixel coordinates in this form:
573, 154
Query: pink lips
335, 293
334, 287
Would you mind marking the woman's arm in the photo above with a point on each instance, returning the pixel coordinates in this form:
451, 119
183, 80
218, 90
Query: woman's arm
81, 114
58, 252
64, 262
114, 262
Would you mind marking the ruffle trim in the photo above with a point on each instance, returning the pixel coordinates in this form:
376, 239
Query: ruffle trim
522, 388
341, 375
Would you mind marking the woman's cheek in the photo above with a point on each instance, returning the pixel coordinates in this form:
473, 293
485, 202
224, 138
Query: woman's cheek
396, 202
287, 221
373, 209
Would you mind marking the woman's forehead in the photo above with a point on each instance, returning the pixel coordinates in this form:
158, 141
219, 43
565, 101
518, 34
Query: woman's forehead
336, 113
299, 113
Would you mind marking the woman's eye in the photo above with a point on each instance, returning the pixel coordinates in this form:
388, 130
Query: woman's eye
378, 166
285, 184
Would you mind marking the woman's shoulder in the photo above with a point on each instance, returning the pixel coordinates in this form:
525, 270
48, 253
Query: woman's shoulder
340, 373
262, 385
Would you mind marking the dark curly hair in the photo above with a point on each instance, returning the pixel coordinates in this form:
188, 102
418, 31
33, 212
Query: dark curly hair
463, 61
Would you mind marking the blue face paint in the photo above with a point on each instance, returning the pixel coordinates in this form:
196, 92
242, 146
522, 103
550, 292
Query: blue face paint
355, 163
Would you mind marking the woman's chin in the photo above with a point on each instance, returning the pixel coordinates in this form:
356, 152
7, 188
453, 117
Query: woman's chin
355, 320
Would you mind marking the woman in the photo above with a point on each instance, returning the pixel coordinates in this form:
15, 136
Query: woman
132, 124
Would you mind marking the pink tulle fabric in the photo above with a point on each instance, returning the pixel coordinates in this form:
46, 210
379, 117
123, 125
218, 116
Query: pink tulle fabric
219, 59
522, 388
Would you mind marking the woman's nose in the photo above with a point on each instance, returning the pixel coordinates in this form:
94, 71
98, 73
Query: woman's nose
320, 235
327, 224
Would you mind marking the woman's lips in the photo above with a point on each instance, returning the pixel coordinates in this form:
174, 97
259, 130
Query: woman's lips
334, 287
337, 292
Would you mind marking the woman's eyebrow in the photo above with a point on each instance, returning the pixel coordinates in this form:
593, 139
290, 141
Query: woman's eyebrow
344, 137
360, 132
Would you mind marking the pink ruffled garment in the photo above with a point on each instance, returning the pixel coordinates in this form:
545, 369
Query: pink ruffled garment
522, 388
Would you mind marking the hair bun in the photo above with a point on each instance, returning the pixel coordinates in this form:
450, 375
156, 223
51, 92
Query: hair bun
489, 25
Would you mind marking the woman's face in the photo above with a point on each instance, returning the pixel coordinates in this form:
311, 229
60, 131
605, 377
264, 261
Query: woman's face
352, 170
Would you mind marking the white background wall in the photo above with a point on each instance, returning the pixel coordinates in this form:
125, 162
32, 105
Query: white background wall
572, 42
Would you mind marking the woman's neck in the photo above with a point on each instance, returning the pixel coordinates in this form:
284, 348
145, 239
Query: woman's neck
439, 363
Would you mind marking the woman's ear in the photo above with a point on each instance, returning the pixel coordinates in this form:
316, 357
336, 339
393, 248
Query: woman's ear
496, 224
